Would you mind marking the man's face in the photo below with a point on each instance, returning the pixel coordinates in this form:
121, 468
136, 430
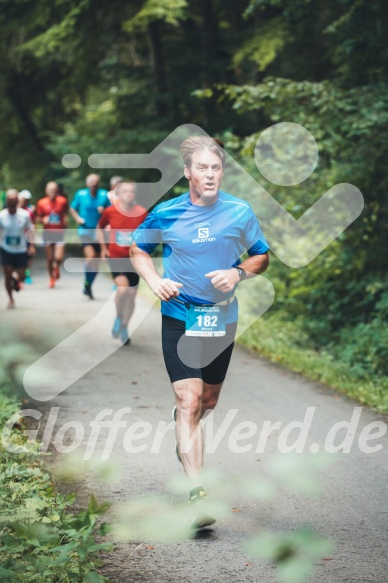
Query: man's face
51, 190
92, 182
205, 174
12, 203
127, 193
114, 182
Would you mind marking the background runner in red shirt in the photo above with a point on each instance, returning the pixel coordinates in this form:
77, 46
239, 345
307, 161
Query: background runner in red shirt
52, 211
122, 218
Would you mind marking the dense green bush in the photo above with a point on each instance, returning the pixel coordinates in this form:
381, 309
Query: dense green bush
41, 539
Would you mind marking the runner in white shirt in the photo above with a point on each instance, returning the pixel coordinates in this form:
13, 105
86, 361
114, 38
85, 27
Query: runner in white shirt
14, 222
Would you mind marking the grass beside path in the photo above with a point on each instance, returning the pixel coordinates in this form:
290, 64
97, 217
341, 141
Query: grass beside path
278, 341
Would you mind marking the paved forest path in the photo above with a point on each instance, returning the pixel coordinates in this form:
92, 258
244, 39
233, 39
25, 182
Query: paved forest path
352, 508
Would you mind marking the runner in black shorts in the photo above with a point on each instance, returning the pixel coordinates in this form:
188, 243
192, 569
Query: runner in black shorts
127, 271
14, 222
192, 349
204, 232
86, 208
122, 218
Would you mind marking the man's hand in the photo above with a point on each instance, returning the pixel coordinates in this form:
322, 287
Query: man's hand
165, 289
80, 221
225, 280
105, 252
100, 209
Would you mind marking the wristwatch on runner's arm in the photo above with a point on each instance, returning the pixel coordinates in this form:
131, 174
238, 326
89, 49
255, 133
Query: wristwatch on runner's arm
241, 273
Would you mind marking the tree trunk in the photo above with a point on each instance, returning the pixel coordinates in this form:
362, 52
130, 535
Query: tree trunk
159, 69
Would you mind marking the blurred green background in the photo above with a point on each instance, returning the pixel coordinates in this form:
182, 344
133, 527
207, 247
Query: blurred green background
89, 76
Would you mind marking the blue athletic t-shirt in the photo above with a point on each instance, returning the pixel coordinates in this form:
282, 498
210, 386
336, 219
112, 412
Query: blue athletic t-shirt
199, 239
86, 206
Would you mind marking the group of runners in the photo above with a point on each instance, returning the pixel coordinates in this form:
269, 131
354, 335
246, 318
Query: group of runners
105, 219
204, 233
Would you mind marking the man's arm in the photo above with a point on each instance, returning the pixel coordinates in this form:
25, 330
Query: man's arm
76, 216
74, 208
164, 289
38, 213
40, 216
106, 203
31, 236
255, 264
65, 215
101, 233
226, 280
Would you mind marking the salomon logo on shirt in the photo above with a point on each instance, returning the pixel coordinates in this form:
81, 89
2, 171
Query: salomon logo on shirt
203, 236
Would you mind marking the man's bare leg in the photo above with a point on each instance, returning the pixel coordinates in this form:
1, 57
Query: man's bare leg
121, 295
49, 250
59, 254
92, 259
129, 304
21, 273
193, 399
210, 397
8, 270
188, 393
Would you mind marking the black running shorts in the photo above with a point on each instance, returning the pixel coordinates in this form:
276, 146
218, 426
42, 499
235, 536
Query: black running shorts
87, 240
128, 271
205, 358
15, 260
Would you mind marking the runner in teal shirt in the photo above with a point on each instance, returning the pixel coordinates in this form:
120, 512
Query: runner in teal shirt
86, 209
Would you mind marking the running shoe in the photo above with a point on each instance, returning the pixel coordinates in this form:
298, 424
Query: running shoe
56, 272
52, 282
177, 453
125, 339
116, 327
28, 278
201, 518
87, 291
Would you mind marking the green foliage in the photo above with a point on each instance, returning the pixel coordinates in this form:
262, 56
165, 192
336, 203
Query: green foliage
52, 39
169, 11
262, 49
41, 539
294, 555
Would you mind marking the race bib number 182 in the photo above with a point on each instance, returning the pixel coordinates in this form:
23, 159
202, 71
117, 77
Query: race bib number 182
205, 320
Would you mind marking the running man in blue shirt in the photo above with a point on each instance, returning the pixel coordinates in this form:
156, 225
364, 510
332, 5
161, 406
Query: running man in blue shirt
86, 208
204, 232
